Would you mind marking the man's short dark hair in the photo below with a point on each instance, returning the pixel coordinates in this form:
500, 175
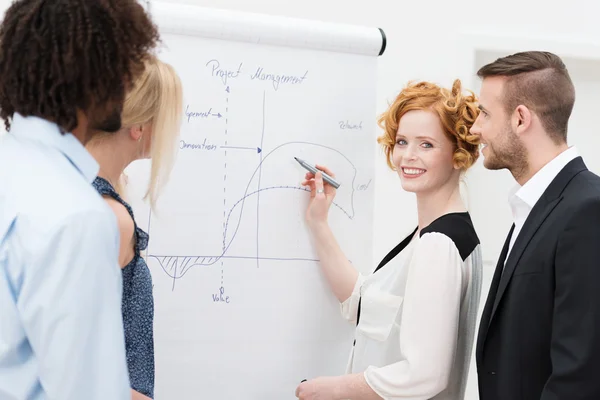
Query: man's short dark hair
540, 81
60, 56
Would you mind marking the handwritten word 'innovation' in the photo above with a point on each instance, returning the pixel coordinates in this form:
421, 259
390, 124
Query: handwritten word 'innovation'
183, 145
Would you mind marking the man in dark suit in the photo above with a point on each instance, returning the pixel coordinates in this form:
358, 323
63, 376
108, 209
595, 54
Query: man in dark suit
539, 336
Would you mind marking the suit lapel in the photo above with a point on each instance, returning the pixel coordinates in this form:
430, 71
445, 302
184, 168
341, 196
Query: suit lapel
487, 310
539, 213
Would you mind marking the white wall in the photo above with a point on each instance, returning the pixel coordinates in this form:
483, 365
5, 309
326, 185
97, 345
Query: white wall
441, 40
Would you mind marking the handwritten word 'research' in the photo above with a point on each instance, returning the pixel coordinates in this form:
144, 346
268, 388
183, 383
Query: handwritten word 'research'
344, 125
197, 146
223, 73
278, 79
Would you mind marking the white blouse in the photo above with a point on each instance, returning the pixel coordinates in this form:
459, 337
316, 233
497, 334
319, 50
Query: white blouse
417, 314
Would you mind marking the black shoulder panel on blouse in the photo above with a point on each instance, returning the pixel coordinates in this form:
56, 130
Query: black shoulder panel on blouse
459, 228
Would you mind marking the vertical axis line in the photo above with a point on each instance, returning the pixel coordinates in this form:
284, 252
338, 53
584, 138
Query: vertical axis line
262, 137
225, 183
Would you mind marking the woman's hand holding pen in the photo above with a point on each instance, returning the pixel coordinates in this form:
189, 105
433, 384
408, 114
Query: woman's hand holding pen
321, 196
340, 274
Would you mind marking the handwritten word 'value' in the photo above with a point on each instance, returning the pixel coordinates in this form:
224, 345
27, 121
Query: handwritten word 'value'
197, 146
221, 297
205, 114
223, 73
278, 79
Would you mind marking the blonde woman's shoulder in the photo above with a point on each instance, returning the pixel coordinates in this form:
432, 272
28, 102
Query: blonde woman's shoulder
126, 231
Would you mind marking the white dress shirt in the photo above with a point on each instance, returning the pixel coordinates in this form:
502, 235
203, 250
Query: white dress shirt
523, 198
417, 321
61, 328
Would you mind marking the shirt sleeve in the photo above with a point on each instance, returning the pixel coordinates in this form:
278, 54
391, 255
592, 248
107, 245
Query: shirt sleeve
349, 307
70, 303
429, 326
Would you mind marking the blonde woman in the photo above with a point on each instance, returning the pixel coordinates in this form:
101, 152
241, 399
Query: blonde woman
151, 121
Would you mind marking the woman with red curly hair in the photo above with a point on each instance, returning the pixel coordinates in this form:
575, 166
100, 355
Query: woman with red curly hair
415, 315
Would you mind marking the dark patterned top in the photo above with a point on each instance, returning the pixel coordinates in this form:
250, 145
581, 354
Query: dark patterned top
137, 306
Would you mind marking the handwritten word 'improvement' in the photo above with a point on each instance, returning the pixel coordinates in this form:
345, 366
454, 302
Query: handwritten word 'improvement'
194, 114
278, 79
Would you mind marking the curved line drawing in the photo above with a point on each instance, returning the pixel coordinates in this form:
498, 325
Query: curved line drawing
351, 216
180, 271
173, 260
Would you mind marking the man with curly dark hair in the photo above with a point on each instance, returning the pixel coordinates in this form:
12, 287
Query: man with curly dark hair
65, 66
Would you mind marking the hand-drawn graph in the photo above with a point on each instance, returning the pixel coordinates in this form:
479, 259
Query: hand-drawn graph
235, 126
177, 266
239, 295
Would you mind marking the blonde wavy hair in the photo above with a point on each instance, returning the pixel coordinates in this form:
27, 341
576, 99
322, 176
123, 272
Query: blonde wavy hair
456, 111
155, 98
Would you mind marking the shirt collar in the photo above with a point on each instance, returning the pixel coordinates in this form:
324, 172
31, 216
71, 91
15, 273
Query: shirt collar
48, 134
533, 189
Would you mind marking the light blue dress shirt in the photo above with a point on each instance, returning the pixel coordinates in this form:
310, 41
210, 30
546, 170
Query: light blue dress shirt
61, 328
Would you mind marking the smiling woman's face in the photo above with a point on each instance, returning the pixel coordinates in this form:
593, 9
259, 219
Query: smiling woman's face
423, 153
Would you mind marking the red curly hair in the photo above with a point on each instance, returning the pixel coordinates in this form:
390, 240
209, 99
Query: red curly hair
456, 111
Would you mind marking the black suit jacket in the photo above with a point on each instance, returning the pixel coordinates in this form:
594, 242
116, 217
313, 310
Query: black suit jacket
539, 336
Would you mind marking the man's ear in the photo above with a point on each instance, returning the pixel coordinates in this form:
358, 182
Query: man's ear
522, 119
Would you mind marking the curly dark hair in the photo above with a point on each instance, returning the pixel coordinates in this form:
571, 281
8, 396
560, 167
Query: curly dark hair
61, 56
